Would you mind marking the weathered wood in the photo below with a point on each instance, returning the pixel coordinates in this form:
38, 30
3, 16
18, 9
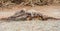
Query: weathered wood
23, 15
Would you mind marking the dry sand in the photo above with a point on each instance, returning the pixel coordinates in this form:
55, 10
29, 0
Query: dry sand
50, 25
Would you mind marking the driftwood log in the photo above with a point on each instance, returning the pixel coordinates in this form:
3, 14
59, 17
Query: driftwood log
23, 15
